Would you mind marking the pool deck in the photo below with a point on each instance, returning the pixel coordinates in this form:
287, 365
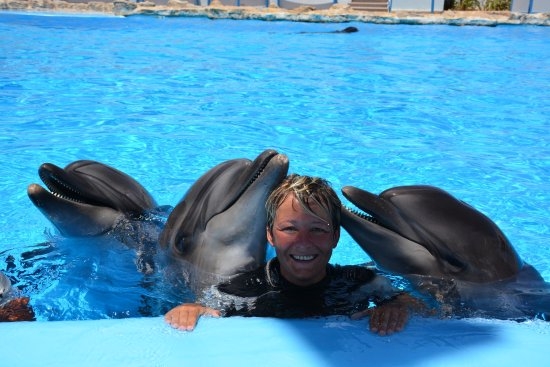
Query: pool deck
336, 14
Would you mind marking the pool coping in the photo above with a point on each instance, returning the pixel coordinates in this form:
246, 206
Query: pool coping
336, 14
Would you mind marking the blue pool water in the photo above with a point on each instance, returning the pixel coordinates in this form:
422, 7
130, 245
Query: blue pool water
165, 99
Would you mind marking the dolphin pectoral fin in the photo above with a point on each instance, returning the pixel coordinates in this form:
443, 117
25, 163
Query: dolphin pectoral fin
389, 250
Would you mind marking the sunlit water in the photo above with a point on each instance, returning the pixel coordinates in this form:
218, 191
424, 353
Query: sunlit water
165, 99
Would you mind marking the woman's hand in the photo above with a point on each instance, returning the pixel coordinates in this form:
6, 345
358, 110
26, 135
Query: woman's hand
185, 316
391, 316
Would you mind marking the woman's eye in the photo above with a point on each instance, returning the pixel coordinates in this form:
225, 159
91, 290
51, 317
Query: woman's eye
319, 230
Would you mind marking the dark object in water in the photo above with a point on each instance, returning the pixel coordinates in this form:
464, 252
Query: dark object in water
17, 309
345, 30
348, 30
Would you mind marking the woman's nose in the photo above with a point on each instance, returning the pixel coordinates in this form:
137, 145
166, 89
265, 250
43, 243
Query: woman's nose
303, 237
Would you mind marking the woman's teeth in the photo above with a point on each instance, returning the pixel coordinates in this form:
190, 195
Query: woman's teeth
303, 257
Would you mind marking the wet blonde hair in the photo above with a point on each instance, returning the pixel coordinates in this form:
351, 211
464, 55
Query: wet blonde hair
308, 190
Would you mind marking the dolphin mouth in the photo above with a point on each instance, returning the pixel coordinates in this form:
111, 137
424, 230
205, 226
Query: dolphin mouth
259, 166
361, 215
261, 163
369, 208
59, 187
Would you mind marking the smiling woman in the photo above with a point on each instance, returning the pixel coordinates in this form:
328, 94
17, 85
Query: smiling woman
303, 226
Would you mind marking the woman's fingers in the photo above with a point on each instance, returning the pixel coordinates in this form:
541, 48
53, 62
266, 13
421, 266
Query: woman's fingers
186, 316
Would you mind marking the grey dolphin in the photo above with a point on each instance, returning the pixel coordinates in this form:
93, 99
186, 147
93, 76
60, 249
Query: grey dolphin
446, 248
88, 198
220, 224
345, 30
426, 231
348, 30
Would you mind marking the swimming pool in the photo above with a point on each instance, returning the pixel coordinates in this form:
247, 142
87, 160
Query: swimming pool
165, 99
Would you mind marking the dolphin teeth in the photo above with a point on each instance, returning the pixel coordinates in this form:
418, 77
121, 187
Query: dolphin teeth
362, 215
58, 195
256, 175
60, 189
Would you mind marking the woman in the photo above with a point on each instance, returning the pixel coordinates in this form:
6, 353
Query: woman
303, 226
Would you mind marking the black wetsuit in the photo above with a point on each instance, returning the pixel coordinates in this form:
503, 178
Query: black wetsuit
264, 292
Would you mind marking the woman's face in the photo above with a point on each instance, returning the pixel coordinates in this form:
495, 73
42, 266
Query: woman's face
303, 242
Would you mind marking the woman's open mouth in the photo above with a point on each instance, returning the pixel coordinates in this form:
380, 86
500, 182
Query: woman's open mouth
303, 257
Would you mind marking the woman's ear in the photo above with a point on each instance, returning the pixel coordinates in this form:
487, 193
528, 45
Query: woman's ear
336, 237
269, 236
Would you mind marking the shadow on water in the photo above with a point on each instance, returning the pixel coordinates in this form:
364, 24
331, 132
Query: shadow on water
339, 342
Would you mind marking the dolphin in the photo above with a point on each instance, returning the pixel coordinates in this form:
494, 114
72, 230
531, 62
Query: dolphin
345, 30
88, 198
446, 248
219, 226
91, 199
424, 230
